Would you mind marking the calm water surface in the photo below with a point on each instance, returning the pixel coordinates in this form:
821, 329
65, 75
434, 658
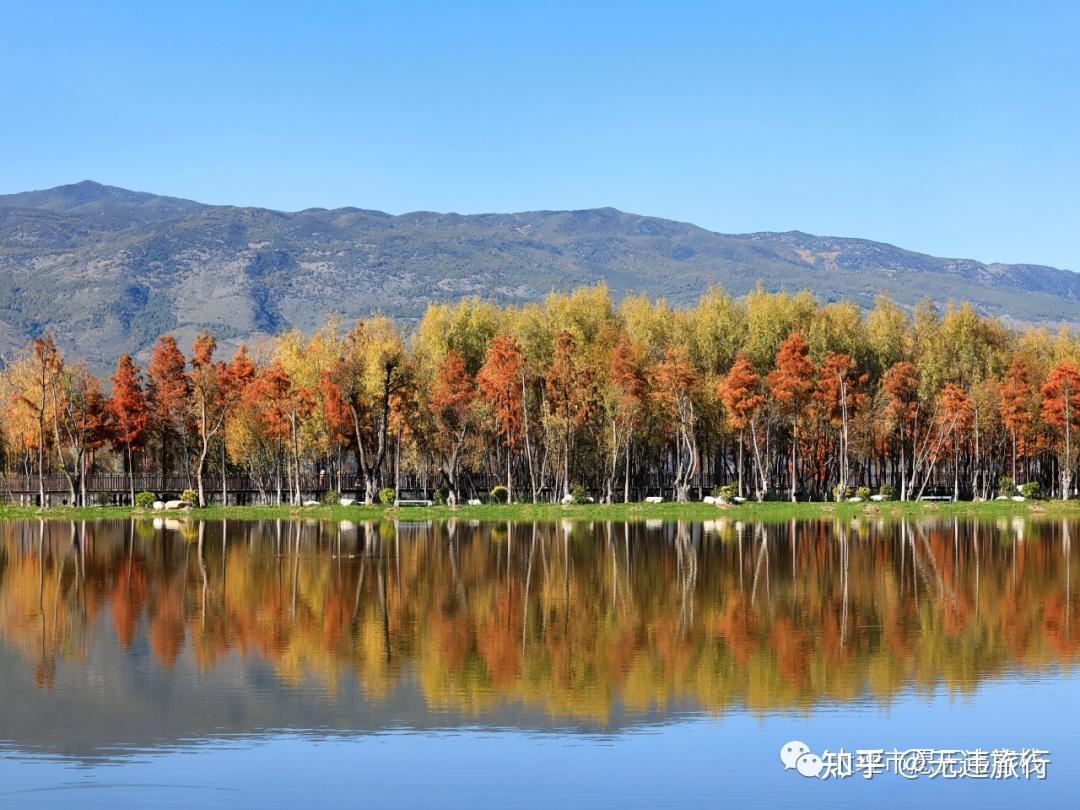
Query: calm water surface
487, 664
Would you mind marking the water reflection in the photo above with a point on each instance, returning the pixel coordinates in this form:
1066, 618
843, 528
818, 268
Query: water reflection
153, 631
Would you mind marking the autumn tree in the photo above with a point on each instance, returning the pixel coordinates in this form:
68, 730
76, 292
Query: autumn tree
1061, 410
570, 390
1016, 405
451, 404
675, 381
791, 384
169, 393
499, 382
741, 394
624, 397
129, 414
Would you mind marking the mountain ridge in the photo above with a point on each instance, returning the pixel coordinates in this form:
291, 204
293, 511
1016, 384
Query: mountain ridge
108, 269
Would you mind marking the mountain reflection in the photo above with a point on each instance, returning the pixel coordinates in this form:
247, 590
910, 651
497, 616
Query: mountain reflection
567, 621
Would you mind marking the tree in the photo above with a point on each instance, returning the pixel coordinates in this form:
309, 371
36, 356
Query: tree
169, 393
129, 414
741, 394
1061, 410
839, 398
367, 375
80, 425
500, 387
900, 385
570, 389
791, 383
451, 404
675, 380
624, 400
1016, 406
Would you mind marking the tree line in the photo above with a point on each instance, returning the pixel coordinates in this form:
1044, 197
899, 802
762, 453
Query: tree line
772, 396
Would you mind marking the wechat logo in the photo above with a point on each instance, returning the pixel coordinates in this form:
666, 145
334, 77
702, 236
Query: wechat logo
797, 756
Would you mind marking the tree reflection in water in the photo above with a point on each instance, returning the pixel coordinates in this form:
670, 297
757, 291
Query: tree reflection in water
564, 618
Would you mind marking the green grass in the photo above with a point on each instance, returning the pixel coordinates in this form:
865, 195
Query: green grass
772, 511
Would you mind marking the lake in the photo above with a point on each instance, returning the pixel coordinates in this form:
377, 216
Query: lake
494, 664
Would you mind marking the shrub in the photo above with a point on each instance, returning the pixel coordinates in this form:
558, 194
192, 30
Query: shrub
387, 496
726, 492
1031, 490
499, 494
441, 496
840, 492
331, 498
887, 492
863, 492
579, 494
144, 500
190, 496
1006, 486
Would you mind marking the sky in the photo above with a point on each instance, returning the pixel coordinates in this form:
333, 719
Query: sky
950, 128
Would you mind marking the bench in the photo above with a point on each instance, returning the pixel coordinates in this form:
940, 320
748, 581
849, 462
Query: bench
401, 502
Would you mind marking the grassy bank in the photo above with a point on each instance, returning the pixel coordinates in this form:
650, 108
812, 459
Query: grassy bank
762, 512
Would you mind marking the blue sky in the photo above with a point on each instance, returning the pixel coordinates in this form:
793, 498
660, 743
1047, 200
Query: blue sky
950, 128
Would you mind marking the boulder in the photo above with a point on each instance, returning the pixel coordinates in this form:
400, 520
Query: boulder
177, 505
474, 502
1019, 498
347, 501
654, 499
312, 503
708, 499
855, 499
159, 505
877, 498
739, 499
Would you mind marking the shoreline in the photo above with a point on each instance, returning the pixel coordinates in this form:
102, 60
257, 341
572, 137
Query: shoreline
767, 512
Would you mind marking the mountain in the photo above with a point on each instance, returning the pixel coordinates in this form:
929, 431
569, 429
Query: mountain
108, 270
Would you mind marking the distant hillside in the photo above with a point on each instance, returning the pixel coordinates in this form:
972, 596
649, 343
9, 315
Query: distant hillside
109, 269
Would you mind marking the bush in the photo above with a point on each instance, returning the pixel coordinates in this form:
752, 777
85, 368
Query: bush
1006, 486
441, 496
887, 492
579, 494
863, 493
1031, 490
144, 500
842, 493
387, 496
331, 498
190, 496
499, 494
726, 492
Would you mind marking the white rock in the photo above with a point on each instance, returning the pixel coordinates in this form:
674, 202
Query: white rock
877, 498
159, 505
855, 499
347, 501
1019, 498
177, 505
654, 499
311, 503
739, 499
474, 502
1002, 498
708, 499
567, 499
